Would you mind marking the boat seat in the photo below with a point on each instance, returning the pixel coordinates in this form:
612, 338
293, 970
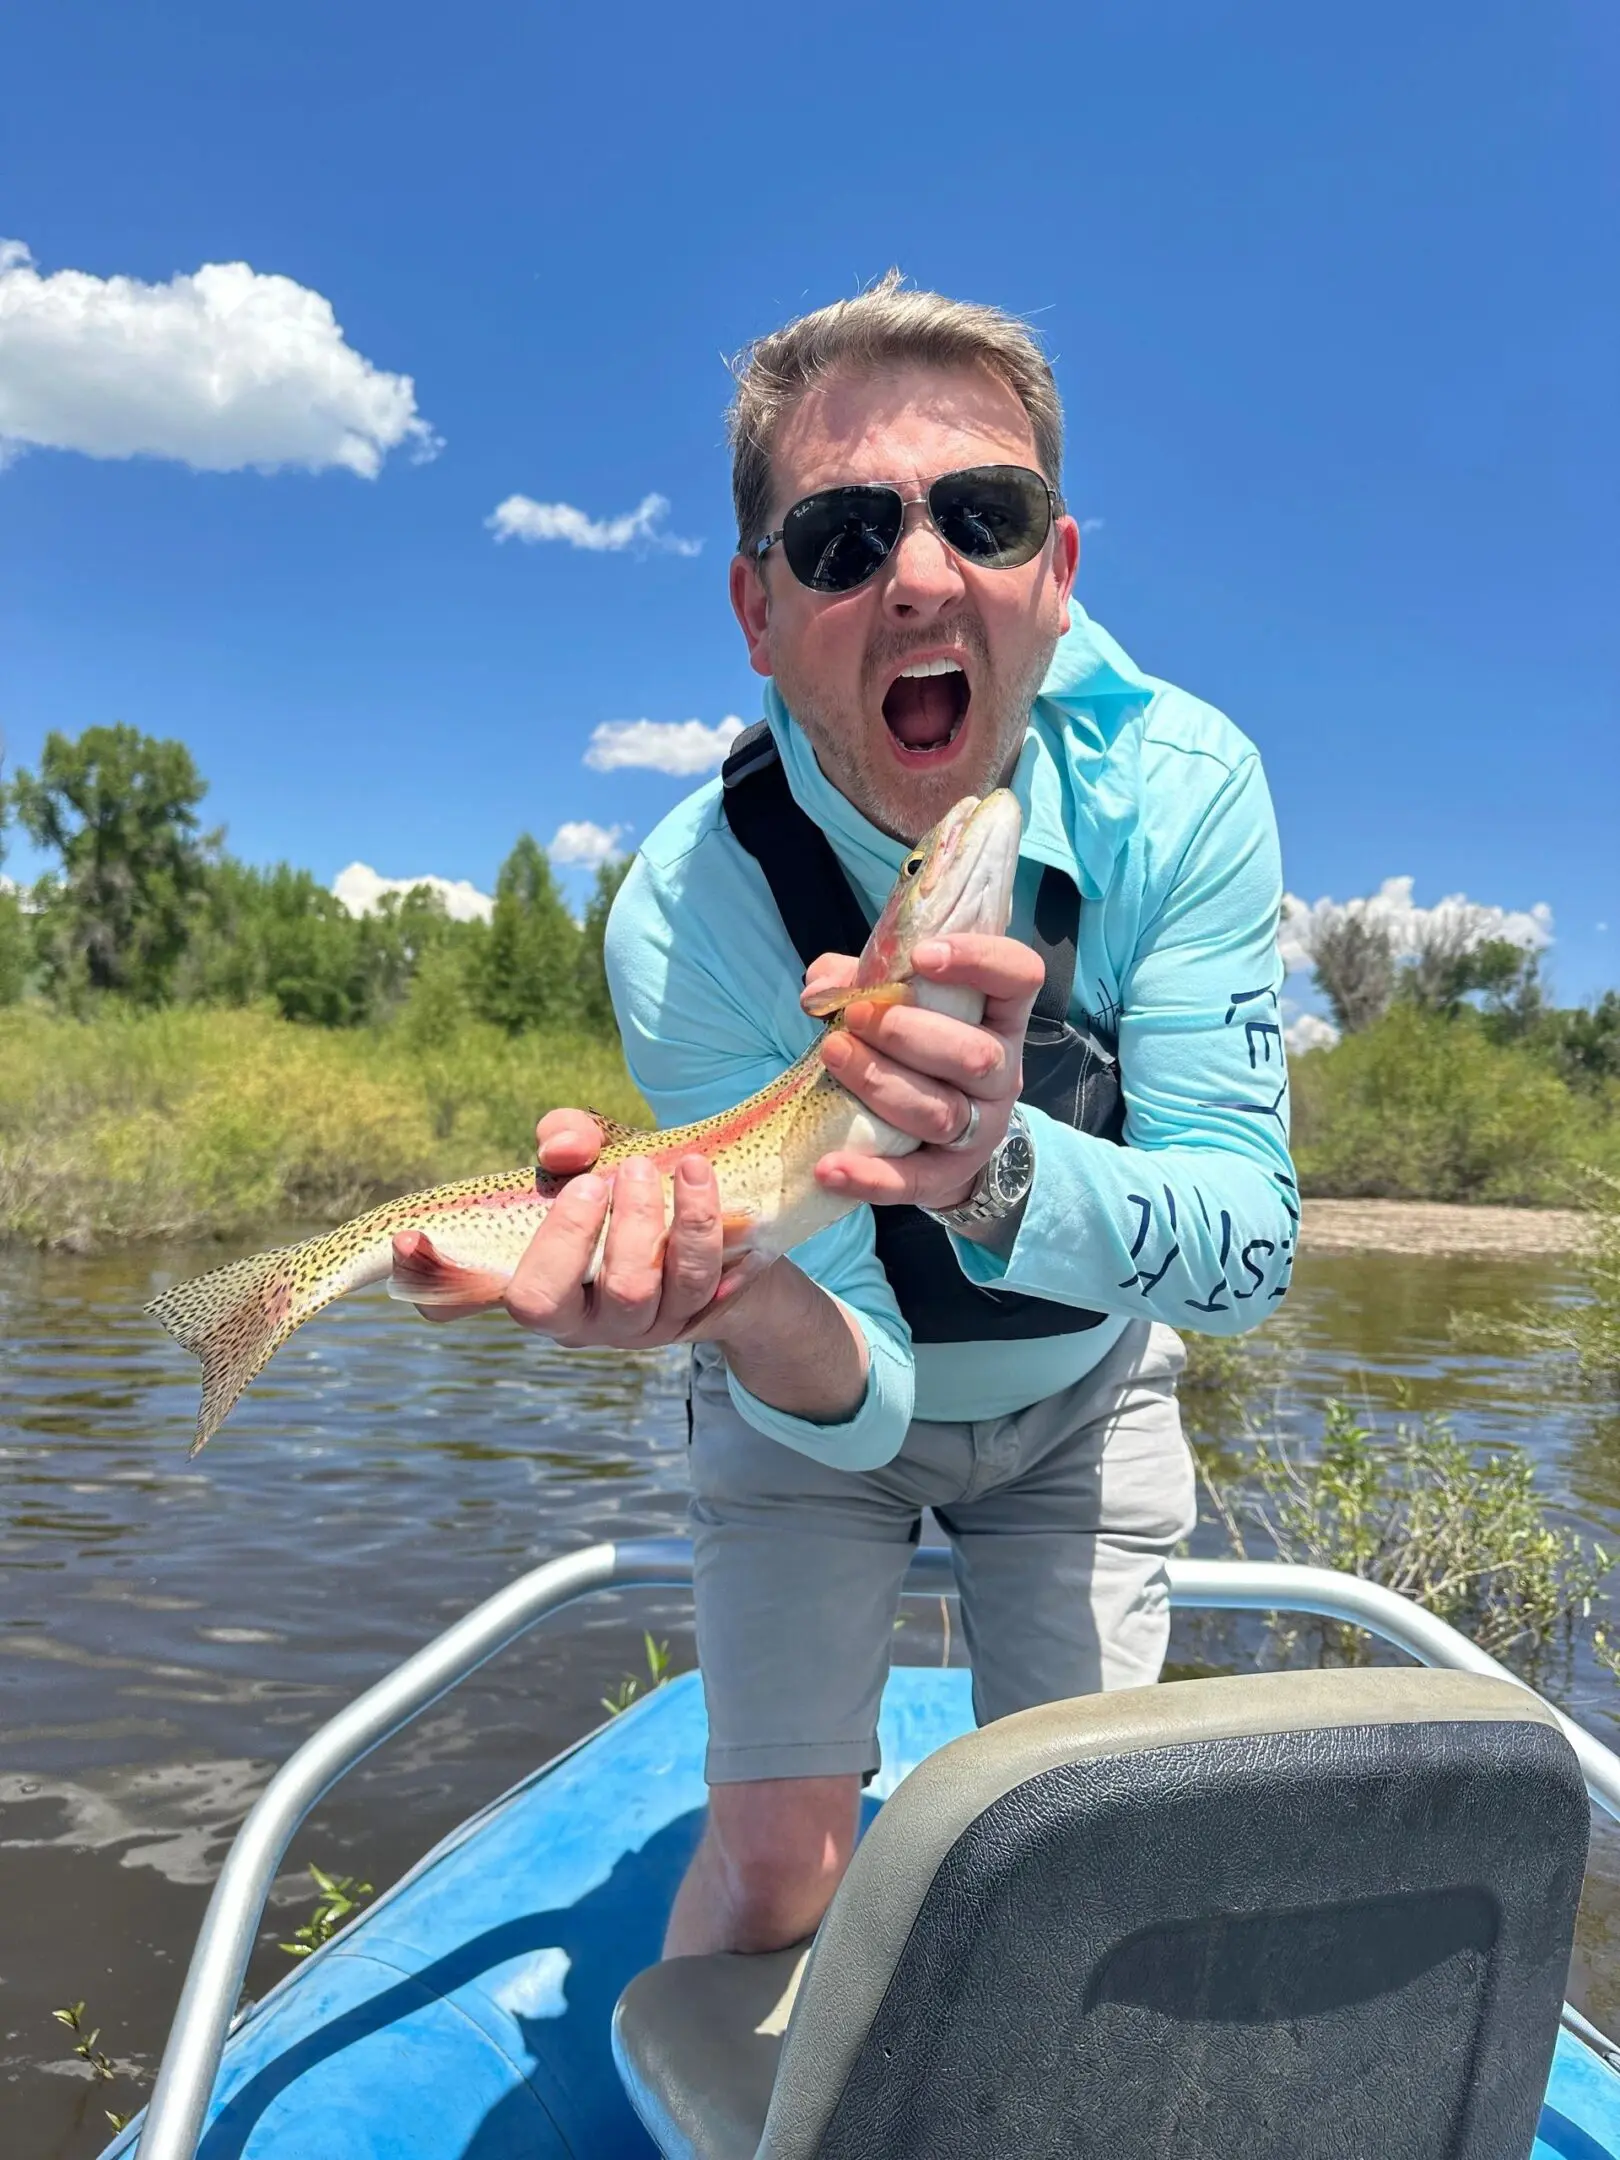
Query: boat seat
1287, 1916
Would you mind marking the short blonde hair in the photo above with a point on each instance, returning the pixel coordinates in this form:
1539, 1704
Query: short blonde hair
886, 326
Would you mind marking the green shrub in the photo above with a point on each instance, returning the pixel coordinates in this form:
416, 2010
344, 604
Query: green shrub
1582, 1333
1461, 1530
1425, 1106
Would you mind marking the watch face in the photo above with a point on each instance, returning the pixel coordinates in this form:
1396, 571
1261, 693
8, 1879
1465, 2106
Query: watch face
1014, 1170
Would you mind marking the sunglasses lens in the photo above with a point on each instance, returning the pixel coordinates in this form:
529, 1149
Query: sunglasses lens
835, 540
995, 515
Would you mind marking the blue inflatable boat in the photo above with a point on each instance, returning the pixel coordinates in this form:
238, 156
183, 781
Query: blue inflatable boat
1297, 1916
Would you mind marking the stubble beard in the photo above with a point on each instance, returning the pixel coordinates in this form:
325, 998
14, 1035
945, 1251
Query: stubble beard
908, 804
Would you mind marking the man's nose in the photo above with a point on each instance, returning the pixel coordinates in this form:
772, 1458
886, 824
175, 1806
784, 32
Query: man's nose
922, 576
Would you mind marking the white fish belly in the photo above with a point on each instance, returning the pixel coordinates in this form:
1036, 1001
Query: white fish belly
806, 1206
491, 1239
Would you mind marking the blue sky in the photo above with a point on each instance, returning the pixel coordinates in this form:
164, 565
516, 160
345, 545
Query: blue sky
1330, 295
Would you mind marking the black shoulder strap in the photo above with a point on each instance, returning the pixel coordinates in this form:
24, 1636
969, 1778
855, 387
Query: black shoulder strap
815, 899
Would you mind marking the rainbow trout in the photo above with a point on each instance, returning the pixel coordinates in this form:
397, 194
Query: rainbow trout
456, 1246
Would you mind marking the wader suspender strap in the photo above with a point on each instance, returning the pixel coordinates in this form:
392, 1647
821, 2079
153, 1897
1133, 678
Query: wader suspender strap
807, 881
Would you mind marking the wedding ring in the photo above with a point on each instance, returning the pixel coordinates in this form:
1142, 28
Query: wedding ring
969, 1133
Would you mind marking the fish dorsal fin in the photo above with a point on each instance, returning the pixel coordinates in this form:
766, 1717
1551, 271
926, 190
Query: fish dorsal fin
615, 1133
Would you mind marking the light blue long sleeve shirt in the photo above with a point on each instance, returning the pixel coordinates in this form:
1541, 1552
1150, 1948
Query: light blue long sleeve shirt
1156, 805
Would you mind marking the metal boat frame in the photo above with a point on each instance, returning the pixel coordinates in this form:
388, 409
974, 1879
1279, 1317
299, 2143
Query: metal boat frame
202, 2021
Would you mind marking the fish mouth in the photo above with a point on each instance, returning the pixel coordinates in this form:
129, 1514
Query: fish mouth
968, 886
926, 705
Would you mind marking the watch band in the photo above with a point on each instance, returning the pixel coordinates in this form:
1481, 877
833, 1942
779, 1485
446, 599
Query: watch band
994, 1198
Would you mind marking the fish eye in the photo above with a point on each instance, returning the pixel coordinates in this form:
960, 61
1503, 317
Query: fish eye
912, 864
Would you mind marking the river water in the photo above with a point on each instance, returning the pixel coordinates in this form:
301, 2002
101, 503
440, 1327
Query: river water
171, 1629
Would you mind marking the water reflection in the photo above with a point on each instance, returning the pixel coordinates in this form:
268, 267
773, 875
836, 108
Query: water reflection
170, 1629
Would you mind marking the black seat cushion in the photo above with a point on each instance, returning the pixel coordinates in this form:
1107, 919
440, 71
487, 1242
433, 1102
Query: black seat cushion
1306, 1946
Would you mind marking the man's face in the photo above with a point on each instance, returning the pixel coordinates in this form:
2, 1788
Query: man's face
903, 748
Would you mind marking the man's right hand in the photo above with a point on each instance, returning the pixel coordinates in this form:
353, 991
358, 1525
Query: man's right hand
654, 1286
783, 1336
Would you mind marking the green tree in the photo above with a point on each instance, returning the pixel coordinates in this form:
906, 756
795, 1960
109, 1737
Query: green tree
16, 949
1447, 971
399, 939
595, 1005
281, 935
275, 934
119, 809
16, 945
1583, 1041
316, 958
530, 972
223, 963
1508, 982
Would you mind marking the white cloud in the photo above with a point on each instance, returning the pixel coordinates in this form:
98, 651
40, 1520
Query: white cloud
361, 891
1091, 525
584, 844
1456, 920
1309, 1032
220, 368
519, 518
681, 747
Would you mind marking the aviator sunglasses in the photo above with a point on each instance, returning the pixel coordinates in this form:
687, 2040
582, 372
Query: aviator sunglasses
993, 516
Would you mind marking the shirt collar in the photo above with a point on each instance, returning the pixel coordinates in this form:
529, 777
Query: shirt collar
1077, 778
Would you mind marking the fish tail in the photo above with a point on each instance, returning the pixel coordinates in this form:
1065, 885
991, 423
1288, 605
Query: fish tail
235, 1318
422, 1275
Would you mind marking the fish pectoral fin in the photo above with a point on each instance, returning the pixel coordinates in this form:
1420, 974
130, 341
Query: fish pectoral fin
826, 1003
737, 1226
423, 1276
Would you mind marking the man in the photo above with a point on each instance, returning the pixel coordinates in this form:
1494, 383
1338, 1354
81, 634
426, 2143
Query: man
903, 581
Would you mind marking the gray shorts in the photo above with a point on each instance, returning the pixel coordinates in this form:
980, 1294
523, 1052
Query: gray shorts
1060, 1517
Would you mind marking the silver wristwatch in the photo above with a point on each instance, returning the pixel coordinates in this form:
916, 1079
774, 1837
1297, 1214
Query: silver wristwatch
1003, 1184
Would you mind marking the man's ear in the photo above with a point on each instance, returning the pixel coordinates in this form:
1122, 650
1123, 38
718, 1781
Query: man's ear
750, 603
1065, 566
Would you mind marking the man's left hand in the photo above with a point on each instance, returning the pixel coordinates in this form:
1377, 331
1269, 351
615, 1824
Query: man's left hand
921, 1070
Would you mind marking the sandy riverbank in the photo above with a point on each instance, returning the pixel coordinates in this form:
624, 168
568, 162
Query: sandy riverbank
1431, 1226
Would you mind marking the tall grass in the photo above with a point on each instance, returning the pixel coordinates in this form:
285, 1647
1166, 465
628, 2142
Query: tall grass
204, 1121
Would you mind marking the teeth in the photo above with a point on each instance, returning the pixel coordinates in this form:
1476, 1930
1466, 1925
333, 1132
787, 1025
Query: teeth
932, 667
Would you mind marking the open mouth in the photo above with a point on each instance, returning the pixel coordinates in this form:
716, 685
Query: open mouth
925, 707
